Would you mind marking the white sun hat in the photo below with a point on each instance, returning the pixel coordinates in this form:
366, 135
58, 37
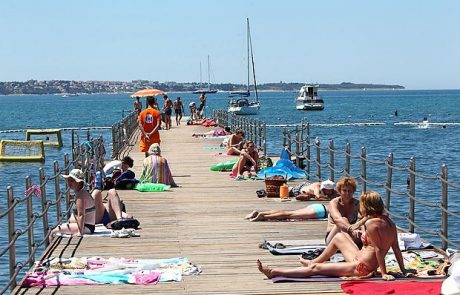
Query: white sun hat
75, 174
327, 184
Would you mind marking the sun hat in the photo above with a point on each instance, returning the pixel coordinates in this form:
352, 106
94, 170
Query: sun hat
155, 149
75, 174
327, 184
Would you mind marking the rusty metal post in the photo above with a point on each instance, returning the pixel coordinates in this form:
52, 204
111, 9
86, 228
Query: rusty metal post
347, 158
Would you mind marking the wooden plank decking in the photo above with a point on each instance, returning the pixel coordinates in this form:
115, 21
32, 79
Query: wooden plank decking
201, 220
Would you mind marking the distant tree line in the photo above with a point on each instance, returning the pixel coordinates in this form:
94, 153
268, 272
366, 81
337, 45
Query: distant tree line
89, 87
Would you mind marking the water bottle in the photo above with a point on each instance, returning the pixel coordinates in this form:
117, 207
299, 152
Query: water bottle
98, 181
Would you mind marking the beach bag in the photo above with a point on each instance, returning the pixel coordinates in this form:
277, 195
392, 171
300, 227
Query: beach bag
125, 223
273, 184
264, 162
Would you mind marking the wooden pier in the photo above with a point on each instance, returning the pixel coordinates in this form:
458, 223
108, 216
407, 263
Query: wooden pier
202, 220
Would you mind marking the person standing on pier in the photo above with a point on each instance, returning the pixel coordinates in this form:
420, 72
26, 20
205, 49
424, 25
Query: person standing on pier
179, 110
167, 108
201, 106
149, 121
138, 105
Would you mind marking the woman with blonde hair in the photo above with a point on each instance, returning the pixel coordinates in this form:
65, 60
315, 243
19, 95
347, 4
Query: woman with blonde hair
156, 169
378, 234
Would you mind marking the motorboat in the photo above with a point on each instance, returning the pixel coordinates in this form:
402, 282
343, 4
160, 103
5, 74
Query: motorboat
238, 101
308, 99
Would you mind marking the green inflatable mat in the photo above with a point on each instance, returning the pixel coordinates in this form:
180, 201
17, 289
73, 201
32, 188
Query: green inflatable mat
152, 187
224, 166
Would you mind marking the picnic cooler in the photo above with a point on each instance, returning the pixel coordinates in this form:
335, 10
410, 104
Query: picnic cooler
273, 184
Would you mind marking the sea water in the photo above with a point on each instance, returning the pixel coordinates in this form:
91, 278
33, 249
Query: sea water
430, 146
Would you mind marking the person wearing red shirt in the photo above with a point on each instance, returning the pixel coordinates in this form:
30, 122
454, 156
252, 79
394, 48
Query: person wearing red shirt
149, 122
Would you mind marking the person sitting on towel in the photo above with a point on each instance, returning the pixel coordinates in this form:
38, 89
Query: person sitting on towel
248, 159
313, 211
156, 169
379, 234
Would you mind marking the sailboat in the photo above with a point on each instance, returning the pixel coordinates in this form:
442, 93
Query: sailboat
206, 90
238, 101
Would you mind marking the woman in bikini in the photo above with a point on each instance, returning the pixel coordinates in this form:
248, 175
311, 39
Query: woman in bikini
343, 210
83, 218
378, 234
248, 159
235, 142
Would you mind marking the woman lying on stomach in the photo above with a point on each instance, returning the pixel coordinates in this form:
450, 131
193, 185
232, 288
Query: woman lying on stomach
378, 234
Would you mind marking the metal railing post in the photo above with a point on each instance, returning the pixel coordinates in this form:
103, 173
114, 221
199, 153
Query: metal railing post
412, 194
11, 234
67, 195
388, 182
318, 158
347, 159
308, 156
265, 139
297, 146
331, 160
43, 195
57, 190
363, 168
444, 204
30, 232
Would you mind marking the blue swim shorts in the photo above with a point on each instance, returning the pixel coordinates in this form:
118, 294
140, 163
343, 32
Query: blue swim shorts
319, 209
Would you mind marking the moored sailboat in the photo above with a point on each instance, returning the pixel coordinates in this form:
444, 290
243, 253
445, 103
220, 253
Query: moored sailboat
238, 101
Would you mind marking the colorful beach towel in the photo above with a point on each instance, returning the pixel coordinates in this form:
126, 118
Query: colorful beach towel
97, 270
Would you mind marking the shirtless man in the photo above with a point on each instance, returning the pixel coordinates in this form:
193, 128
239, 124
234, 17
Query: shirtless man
138, 105
317, 190
178, 110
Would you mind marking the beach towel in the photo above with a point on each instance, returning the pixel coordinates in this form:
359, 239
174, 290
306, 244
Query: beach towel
405, 287
294, 248
156, 170
99, 231
213, 148
97, 270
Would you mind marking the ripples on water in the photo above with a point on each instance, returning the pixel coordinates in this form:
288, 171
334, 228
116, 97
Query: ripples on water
430, 146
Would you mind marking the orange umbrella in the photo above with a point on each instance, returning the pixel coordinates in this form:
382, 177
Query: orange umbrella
147, 92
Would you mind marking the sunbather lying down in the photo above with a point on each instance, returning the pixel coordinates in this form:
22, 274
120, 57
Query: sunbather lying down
312, 211
306, 191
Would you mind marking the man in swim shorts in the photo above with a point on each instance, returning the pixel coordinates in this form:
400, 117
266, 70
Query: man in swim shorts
167, 108
324, 190
178, 110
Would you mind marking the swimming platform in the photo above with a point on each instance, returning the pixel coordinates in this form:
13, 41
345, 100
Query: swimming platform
202, 220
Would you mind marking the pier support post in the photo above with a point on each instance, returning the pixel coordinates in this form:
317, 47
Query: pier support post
41, 173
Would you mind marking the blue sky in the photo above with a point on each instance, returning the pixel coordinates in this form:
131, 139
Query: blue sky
412, 43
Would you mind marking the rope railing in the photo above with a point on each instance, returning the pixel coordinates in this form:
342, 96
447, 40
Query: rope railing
311, 154
87, 156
